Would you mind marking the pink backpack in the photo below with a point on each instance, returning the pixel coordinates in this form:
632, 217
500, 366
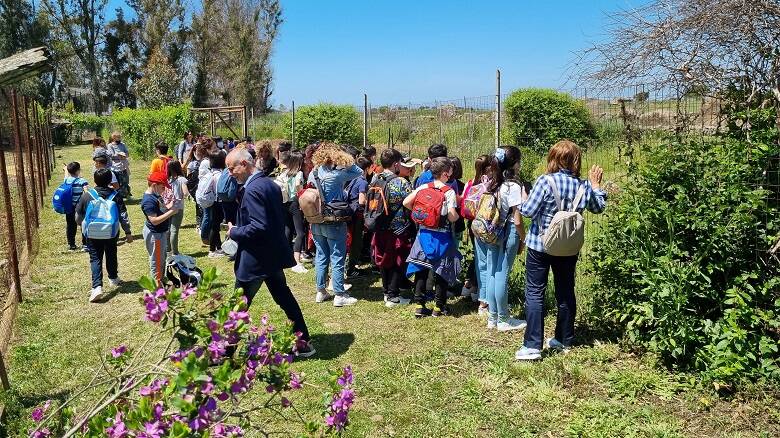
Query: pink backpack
472, 193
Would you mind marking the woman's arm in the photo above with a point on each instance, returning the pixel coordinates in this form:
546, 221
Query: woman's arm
531, 207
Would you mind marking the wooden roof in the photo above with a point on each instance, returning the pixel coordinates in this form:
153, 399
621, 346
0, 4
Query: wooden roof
23, 65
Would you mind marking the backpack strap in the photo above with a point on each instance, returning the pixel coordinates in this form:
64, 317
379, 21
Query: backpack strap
319, 189
112, 195
554, 189
94, 194
578, 197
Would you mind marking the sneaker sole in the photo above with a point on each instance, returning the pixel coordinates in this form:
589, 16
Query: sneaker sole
535, 356
510, 328
307, 354
343, 305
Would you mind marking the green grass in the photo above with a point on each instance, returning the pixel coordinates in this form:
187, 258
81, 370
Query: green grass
434, 377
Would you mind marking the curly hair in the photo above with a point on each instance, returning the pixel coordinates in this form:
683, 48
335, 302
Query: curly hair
331, 155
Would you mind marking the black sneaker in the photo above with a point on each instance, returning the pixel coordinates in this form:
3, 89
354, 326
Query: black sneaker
306, 349
307, 257
354, 273
421, 312
72, 248
440, 312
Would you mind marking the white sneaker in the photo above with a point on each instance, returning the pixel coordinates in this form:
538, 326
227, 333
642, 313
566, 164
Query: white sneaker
554, 344
299, 269
491, 324
322, 296
346, 287
511, 324
398, 301
526, 353
482, 310
96, 294
115, 281
344, 300
465, 292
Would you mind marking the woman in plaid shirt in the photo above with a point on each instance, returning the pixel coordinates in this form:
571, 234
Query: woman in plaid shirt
563, 166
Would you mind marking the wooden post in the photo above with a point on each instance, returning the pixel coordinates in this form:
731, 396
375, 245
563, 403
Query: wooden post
498, 108
292, 125
4, 373
29, 146
35, 151
365, 121
42, 141
20, 172
13, 254
211, 120
246, 123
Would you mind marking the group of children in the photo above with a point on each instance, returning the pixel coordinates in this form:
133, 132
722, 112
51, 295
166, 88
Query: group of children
345, 205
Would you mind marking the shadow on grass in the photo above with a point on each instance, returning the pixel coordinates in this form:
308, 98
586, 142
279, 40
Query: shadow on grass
331, 345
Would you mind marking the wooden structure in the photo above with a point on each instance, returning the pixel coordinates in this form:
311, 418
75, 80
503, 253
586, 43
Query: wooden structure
24, 65
217, 113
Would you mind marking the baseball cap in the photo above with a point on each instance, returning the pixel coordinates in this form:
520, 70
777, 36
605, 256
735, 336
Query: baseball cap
158, 177
410, 162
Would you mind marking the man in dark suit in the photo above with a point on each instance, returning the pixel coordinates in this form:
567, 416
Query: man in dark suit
263, 251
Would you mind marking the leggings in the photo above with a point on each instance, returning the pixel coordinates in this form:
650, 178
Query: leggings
299, 225
420, 278
215, 242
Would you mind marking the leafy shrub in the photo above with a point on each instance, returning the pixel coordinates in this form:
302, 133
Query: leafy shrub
141, 128
537, 118
83, 123
326, 122
682, 267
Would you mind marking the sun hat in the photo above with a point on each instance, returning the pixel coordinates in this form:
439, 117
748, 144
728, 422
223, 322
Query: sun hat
410, 162
158, 177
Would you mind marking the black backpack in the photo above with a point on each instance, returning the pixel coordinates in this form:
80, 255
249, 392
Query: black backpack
377, 215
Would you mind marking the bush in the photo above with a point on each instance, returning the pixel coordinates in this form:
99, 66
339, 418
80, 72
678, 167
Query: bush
327, 122
538, 118
680, 264
141, 128
83, 123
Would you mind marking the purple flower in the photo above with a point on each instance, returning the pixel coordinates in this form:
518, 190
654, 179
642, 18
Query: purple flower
37, 413
187, 292
295, 381
152, 430
223, 431
41, 433
346, 377
286, 402
118, 351
156, 305
118, 428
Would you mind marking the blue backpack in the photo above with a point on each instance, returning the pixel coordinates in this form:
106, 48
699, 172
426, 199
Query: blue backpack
62, 201
227, 187
101, 220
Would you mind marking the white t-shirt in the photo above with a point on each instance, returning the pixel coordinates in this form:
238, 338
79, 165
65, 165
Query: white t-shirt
177, 187
450, 201
512, 195
204, 168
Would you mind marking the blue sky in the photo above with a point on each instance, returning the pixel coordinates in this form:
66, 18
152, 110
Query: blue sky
420, 51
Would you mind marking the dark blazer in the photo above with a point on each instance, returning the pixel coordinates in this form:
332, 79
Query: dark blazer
259, 232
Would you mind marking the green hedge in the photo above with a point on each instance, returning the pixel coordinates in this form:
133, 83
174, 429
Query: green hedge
83, 123
327, 122
141, 128
682, 267
537, 118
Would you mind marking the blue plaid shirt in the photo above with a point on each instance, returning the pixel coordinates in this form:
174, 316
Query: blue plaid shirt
541, 207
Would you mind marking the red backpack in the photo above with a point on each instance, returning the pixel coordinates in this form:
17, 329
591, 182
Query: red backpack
426, 210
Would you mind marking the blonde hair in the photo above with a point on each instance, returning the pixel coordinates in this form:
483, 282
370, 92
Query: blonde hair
331, 155
115, 136
264, 146
564, 155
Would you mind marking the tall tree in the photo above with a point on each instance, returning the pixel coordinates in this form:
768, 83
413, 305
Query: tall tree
81, 23
161, 23
159, 84
121, 53
204, 44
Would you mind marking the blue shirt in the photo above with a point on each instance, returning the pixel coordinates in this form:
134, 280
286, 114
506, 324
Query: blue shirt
427, 177
333, 180
77, 187
541, 205
151, 205
354, 189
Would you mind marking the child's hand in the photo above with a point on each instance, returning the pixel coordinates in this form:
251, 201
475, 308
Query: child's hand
129, 238
169, 205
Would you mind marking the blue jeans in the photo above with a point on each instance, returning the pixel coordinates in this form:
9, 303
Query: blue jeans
205, 225
500, 259
537, 268
482, 274
331, 243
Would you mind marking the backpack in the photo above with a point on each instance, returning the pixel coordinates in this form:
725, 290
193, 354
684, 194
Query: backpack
311, 205
471, 196
62, 201
181, 271
101, 219
566, 233
227, 187
426, 210
192, 180
377, 216
206, 195
487, 226
316, 211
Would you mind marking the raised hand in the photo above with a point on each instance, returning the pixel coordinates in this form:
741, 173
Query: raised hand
594, 175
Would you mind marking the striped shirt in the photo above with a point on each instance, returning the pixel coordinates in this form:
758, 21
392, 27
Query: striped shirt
78, 183
541, 206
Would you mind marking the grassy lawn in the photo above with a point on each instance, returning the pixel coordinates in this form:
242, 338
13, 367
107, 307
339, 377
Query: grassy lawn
433, 377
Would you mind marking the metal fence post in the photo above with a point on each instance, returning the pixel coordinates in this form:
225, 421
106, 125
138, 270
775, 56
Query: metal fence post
292, 125
20, 172
365, 121
13, 254
498, 108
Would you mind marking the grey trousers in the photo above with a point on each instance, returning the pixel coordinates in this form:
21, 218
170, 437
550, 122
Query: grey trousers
176, 221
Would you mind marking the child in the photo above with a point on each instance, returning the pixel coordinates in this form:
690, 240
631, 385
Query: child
435, 151
157, 224
180, 192
101, 162
472, 285
100, 158
499, 257
78, 186
160, 164
98, 248
434, 252
356, 197
120, 163
290, 180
